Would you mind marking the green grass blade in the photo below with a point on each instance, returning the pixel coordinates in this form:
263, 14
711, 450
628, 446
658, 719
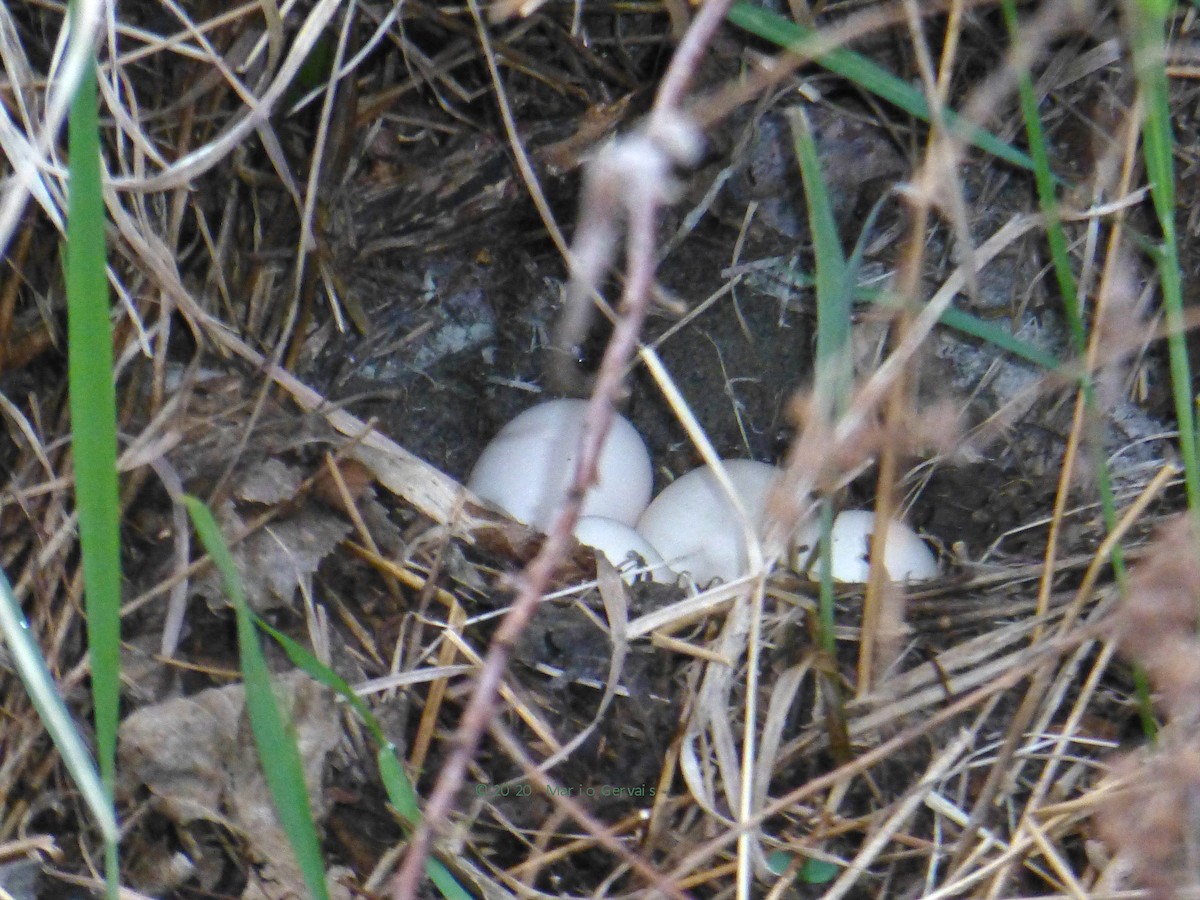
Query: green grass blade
999, 337
1149, 56
1055, 235
31, 666
1158, 144
94, 413
835, 291
960, 320
276, 740
318, 671
853, 267
93, 430
402, 796
399, 788
833, 298
395, 781
1068, 288
869, 76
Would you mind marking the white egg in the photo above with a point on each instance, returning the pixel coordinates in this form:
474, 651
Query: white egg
695, 527
625, 548
528, 467
905, 557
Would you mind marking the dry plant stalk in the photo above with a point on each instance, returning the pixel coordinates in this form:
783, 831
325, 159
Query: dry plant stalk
1151, 817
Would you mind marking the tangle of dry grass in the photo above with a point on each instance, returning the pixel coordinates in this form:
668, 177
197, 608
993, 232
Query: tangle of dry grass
971, 754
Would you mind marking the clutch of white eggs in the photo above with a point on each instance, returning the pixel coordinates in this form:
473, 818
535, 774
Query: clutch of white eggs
691, 526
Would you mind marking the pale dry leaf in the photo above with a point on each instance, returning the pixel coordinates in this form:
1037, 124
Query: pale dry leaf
177, 749
285, 552
271, 481
198, 757
273, 560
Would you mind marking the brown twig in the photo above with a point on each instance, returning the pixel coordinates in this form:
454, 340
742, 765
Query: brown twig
630, 177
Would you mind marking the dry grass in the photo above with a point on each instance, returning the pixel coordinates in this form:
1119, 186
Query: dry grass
963, 738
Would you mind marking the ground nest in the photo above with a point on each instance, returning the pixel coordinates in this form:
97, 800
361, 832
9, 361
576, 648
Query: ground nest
336, 238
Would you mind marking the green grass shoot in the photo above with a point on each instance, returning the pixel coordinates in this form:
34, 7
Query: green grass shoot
834, 305
959, 320
1158, 144
1068, 287
277, 747
273, 734
1148, 31
869, 76
93, 429
31, 667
